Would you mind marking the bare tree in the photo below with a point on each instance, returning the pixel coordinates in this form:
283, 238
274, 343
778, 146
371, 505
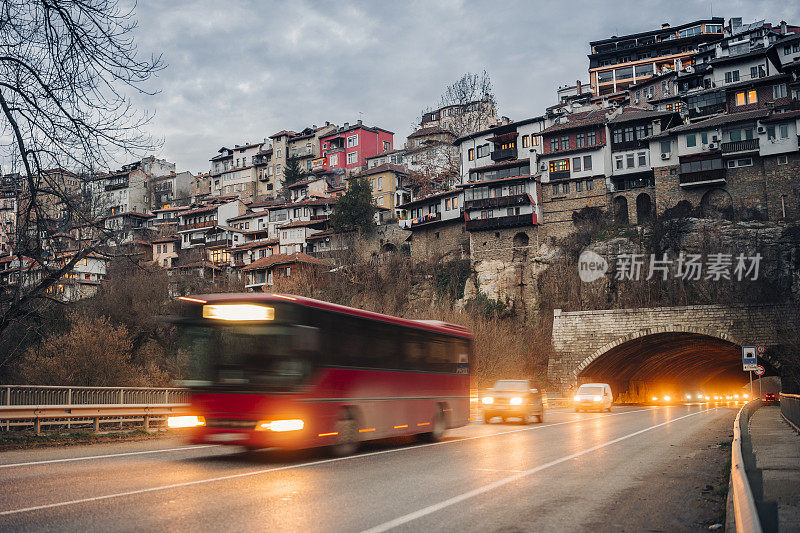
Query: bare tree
68, 69
468, 105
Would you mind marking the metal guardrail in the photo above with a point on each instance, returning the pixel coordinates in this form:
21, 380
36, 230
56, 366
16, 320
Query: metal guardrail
744, 504
790, 409
36, 405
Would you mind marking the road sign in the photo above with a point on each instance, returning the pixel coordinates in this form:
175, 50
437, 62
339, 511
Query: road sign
749, 361
761, 349
759, 370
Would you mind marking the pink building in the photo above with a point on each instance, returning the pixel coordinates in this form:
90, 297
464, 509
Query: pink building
349, 147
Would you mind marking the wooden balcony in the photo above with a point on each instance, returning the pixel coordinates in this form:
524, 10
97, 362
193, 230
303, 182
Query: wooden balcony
740, 147
559, 175
499, 201
705, 177
197, 225
502, 155
501, 222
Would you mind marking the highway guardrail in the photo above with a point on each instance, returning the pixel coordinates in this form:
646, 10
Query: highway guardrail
745, 512
790, 409
35, 406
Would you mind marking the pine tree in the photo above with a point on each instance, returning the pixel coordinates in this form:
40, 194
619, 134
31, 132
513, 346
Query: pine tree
293, 172
354, 210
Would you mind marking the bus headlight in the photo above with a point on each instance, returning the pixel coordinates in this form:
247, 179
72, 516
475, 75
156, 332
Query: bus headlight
185, 421
487, 400
280, 425
667, 398
655, 398
516, 400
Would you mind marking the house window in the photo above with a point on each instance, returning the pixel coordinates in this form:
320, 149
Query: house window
352, 157
565, 142
483, 150
747, 162
555, 189
642, 159
580, 140
590, 185
618, 162
784, 129
471, 154
746, 97
352, 141
387, 146
704, 137
526, 141
278, 169
553, 145
629, 134
578, 186
617, 136
447, 204
565, 188
665, 147
783, 160
576, 164
732, 76
534, 140
587, 162
380, 184
455, 203
334, 159
591, 138
629, 161
691, 140
559, 165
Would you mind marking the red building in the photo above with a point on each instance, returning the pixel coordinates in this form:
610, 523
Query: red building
349, 147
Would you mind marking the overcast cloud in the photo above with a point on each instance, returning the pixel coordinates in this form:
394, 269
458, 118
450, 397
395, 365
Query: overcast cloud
241, 71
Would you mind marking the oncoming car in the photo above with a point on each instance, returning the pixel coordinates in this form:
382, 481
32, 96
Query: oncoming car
513, 398
593, 397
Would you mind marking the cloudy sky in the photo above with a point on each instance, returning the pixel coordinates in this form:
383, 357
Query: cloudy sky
240, 71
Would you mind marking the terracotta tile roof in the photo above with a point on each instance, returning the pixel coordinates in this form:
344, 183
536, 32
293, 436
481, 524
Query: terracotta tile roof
313, 201
285, 259
578, 120
164, 239
630, 114
503, 164
201, 263
303, 223
201, 209
431, 130
777, 117
304, 182
434, 196
386, 167
283, 132
320, 235
718, 120
254, 244
133, 213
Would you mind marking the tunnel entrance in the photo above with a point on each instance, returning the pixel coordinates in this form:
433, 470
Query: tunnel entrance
669, 363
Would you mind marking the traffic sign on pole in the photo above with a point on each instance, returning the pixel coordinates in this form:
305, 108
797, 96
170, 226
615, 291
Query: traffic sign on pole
749, 360
759, 370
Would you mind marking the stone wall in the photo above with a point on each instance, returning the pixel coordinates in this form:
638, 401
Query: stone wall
579, 337
439, 240
557, 209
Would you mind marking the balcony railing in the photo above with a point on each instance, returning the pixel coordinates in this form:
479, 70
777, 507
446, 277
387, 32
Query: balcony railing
499, 201
500, 222
302, 152
747, 145
559, 175
320, 217
218, 241
197, 240
197, 225
507, 153
703, 177
116, 185
426, 219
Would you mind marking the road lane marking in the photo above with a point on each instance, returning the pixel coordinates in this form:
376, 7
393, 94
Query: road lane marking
89, 457
386, 526
289, 467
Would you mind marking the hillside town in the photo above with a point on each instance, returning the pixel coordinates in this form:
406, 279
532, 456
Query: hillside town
700, 119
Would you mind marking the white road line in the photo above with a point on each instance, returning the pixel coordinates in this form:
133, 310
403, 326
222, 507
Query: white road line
89, 457
289, 467
386, 526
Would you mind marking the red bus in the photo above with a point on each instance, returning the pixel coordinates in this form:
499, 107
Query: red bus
279, 370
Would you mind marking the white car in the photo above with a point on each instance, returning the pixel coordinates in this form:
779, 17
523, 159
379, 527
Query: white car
593, 397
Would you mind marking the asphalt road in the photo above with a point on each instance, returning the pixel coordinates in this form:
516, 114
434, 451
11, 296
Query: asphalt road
563, 475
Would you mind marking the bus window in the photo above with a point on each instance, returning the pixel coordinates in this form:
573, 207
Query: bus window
439, 358
415, 352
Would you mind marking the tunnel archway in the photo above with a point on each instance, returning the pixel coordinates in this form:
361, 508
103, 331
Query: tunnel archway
668, 359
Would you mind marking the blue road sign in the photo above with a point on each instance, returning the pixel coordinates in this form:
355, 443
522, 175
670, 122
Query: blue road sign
749, 358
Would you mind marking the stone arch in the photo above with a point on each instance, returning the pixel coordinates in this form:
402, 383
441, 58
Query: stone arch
520, 243
717, 203
388, 248
621, 210
648, 332
644, 208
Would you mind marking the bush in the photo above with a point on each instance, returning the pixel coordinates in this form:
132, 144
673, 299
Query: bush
92, 352
451, 276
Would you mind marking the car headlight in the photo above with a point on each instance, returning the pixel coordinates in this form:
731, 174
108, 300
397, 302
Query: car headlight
516, 400
655, 398
707, 398
280, 425
597, 398
487, 400
688, 396
188, 421
667, 398
745, 396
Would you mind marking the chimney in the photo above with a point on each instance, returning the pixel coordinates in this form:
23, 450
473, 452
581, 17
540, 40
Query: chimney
578, 87
346, 124
314, 126
665, 26
327, 123
736, 25
359, 122
656, 127
783, 27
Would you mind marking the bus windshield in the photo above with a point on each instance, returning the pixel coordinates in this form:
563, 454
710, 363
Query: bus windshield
262, 357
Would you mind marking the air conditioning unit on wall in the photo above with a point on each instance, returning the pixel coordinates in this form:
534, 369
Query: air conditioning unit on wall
665, 155
543, 166
713, 146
